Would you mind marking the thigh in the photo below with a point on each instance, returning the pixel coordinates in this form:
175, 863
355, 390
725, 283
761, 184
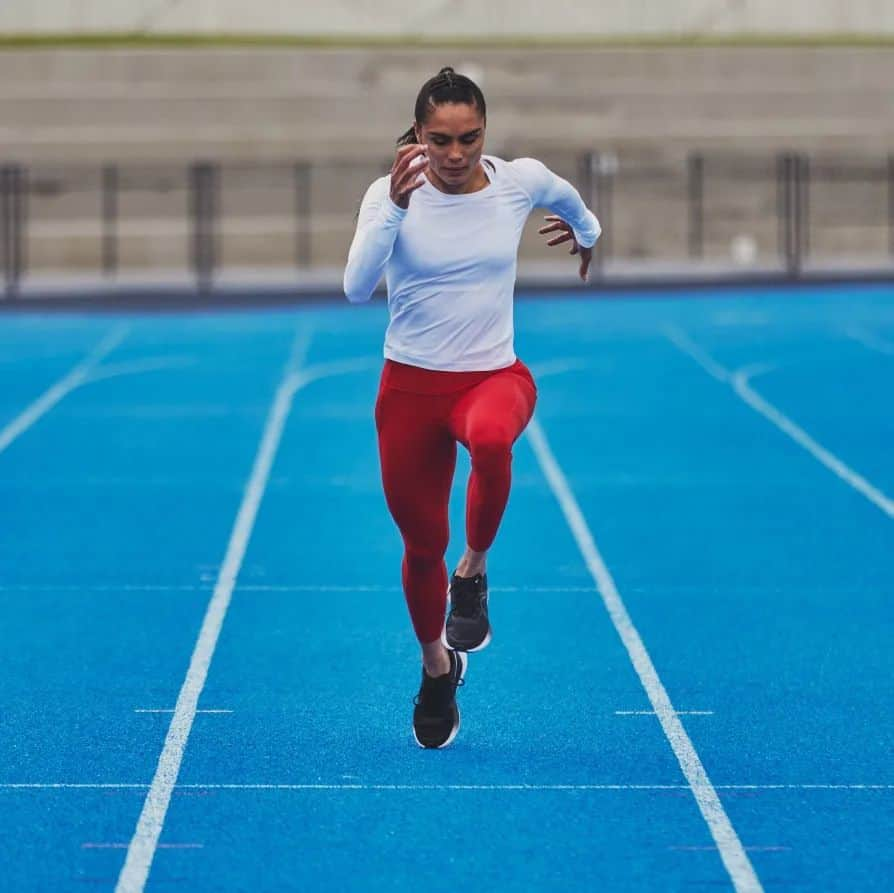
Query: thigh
418, 457
500, 407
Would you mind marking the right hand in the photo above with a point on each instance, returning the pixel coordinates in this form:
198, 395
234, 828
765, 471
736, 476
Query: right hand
408, 173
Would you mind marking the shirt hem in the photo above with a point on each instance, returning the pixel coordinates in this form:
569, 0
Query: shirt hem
422, 363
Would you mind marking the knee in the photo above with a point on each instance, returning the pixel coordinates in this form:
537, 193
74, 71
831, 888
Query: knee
492, 450
423, 552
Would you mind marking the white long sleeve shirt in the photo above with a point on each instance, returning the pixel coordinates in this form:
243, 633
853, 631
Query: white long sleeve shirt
450, 262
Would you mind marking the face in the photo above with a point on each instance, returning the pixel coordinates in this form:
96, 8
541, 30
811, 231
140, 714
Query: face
454, 134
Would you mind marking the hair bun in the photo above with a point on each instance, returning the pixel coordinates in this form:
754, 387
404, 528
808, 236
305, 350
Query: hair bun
447, 69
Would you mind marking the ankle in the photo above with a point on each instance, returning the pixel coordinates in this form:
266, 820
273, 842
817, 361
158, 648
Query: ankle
435, 659
469, 566
468, 572
437, 667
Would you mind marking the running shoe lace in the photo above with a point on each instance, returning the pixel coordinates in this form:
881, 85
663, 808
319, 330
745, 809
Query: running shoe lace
465, 598
435, 691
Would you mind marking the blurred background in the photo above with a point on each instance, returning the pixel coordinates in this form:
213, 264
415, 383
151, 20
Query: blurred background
208, 142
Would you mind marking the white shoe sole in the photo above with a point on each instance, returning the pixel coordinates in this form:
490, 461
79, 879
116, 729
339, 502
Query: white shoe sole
484, 643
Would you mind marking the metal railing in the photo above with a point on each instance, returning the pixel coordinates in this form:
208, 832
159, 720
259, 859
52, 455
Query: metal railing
209, 204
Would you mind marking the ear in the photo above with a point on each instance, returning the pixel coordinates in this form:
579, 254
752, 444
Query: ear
418, 131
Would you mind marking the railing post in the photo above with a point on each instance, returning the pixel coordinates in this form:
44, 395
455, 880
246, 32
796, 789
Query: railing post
13, 221
796, 206
604, 166
302, 180
110, 219
891, 205
203, 189
790, 207
6, 226
781, 215
804, 202
696, 191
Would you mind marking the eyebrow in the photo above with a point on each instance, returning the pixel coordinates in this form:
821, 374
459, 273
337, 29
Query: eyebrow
476, 131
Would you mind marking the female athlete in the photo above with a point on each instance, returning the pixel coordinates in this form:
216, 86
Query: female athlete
444, 227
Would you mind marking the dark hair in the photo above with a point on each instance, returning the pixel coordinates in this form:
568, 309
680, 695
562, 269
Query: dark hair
445, 86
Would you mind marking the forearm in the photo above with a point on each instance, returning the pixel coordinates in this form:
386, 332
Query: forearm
565, 201
370, 250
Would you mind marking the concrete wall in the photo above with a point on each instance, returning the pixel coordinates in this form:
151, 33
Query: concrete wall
251, 104
453, 17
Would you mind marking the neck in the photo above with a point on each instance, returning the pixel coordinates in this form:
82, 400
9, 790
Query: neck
475, 183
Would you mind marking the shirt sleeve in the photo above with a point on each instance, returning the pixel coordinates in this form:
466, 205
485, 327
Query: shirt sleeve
548, 190
377, 226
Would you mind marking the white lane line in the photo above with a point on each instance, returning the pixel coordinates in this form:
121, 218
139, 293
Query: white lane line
247, 587
102, 786
87, 587
683, 342
559, 366
740, 383
750, 849
743, 388
147, 710
653, 713
137, 367
734, 857
123, 846
142, 847
75, 378
870, 340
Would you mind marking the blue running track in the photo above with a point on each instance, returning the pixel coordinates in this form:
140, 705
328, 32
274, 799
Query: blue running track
720, 464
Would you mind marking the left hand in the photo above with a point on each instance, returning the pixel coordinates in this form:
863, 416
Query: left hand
567, 234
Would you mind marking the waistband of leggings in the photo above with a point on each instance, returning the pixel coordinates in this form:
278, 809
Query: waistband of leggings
403, 377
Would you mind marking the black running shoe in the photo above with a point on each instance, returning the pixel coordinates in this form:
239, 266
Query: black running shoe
436, 717
467, 628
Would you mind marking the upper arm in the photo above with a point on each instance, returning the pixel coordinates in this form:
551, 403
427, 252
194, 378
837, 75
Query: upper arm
377, 192
548, 190
535, 178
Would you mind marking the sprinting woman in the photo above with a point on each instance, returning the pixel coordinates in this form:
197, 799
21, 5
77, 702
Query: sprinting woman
444, 227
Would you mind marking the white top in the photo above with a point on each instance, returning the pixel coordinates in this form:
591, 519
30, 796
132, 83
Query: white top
450, 262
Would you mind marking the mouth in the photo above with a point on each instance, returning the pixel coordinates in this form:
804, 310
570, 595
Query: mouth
454, 170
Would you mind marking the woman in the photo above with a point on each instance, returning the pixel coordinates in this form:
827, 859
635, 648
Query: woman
444, 226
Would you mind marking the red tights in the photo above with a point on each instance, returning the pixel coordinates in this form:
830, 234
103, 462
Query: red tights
420, 416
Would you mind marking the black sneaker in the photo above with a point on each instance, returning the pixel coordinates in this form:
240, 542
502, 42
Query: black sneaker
436, 717
467, 628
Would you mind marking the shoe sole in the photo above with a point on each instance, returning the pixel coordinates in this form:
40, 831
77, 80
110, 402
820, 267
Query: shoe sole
459, 650
463, 665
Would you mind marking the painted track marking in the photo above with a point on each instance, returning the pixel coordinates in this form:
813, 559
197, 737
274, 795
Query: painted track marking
732, 853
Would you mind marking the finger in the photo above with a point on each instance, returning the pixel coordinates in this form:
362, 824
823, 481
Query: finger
409, 149
585, 266
410, 175
552, 217
406, 156
414, 166
409, 158
558, 240
553, 227
414, 180
574, 249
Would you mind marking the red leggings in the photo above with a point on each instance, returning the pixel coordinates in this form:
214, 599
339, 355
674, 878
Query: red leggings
420, 416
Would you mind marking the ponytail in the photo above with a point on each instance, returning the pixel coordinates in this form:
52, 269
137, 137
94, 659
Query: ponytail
408, 138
